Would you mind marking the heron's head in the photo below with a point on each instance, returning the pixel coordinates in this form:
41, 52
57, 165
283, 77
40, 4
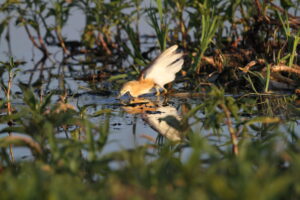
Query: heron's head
127, 87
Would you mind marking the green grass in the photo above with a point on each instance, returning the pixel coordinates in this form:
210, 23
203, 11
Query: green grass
265, 167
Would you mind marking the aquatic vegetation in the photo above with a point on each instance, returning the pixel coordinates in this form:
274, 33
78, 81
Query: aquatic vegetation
226, 129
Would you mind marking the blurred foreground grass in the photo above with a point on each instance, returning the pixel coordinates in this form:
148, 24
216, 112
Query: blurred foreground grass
264, 164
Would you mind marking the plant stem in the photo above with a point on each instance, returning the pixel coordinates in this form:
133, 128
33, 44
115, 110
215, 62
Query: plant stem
231, 130
9, 112
268, 78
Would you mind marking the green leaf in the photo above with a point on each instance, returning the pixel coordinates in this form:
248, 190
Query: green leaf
46, 102
264, 120
29, 98
101, 112
13, 129
3, 26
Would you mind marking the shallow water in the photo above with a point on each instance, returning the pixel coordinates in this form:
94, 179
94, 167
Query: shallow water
136, 122
130, 126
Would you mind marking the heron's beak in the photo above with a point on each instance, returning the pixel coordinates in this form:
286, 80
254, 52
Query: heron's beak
121, 94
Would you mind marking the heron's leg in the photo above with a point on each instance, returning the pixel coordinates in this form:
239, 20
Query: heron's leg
165, 90
157, 90
165, 101
157, 99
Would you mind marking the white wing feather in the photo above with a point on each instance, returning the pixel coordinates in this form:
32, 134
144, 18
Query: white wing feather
163, 69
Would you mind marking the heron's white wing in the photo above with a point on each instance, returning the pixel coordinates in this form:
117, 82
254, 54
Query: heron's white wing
163, 69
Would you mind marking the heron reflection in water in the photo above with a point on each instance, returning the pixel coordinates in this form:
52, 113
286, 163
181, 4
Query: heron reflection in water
161, 118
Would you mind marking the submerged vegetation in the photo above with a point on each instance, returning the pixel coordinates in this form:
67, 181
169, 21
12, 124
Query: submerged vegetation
238, 137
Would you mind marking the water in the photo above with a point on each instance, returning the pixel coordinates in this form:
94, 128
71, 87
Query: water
130, 126
126, 130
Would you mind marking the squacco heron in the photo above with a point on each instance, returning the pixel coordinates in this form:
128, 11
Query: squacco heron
161, 71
